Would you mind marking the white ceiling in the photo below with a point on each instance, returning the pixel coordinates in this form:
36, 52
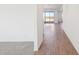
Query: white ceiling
52, 6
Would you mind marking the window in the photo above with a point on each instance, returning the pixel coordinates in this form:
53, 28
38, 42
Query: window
49, 16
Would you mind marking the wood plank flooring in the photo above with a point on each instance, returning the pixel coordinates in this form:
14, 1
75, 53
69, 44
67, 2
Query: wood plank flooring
55, 42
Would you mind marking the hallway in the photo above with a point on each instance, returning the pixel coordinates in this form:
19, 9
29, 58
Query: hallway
55, 42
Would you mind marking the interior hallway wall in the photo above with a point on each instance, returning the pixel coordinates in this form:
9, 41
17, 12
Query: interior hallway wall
40, 25
71, 23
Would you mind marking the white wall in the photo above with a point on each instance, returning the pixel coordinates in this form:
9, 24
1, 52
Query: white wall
40, 24
59, 12
18, 23
71, 23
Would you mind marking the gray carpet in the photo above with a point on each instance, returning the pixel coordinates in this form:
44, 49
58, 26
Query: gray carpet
16, 48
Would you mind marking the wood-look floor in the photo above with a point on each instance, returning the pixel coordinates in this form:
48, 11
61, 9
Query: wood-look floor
55, 42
